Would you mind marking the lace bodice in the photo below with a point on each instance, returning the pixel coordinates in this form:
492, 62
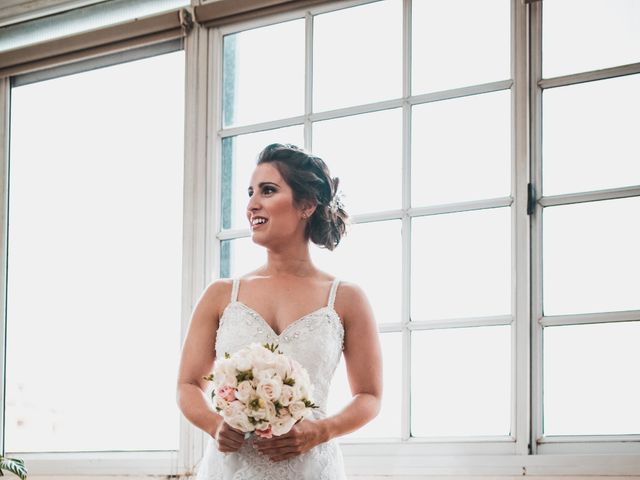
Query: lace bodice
316, 342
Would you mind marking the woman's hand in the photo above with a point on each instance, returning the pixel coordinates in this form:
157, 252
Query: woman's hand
229, 439
302, 437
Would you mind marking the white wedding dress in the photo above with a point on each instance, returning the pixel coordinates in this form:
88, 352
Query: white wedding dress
316, 342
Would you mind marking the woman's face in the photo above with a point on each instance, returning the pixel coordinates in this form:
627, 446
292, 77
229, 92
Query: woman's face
273, 217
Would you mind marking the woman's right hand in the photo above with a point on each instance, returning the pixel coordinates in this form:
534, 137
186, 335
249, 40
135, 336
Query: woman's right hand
229, 439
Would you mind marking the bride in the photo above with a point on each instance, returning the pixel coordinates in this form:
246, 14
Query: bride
312, 316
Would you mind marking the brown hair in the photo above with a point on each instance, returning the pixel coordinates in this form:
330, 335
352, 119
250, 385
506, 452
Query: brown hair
310, 180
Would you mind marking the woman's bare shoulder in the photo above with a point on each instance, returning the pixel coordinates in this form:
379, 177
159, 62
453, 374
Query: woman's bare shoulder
218, 294
351, 300
349, 292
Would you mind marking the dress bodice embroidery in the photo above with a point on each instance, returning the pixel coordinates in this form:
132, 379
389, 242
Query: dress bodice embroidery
316, 341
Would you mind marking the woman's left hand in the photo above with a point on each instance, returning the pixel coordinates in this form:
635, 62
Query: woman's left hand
302, 437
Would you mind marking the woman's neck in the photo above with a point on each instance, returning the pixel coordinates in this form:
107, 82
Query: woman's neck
293, 261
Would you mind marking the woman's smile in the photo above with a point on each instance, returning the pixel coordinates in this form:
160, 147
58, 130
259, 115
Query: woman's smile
258, 222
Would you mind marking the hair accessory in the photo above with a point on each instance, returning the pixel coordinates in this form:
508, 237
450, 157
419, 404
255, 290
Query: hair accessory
336, 202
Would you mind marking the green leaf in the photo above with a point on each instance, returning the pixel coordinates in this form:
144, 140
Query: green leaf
289, 381
226, 355
246, 375
13, 465
208, 377
271, 346
309, 404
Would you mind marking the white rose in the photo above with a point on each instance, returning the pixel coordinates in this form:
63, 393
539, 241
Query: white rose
234, 415
245, 391
271, 412
286, 395
297, 409
225, 373
266, 411
241, 422
270, 389
243, 363
220, 402
264, 374
282, 425
282, 366
300, 391
257, 408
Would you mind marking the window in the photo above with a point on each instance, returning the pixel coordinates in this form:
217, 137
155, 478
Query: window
424, 157
586, 257
94, 259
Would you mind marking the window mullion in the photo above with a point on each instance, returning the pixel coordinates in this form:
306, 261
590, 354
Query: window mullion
535, 99
520, 418
197, 261
405, 418
5, 95
308, 81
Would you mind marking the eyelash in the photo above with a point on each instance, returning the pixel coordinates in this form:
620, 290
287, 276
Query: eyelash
264, 190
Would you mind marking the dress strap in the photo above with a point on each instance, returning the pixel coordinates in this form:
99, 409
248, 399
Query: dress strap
234, 289
332, 293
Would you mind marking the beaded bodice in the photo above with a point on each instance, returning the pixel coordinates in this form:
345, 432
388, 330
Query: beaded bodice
314, 340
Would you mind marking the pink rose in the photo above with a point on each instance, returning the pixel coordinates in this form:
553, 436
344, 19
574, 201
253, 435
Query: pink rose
264, 433
227, 392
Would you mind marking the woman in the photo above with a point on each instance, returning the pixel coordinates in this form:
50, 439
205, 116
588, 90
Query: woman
311, 315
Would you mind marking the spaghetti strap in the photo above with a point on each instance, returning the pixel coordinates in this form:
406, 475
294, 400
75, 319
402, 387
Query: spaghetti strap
332, 293
234, 289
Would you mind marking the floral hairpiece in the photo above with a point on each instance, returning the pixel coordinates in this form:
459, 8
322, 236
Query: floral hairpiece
336, 202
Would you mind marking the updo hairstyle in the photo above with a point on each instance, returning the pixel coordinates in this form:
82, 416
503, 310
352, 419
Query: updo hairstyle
310, 180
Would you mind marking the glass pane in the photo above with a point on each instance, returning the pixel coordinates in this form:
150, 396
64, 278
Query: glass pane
263, 74
461, 381
240, 256
590, 136
370, 172
80, 19
461, 265
371, 256
95, 238
239, 156
387, 423
589, 386
591, 258
607, 35
357, 55
461, 43
461, 149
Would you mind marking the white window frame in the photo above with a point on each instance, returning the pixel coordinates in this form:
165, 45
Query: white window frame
565, 444
169, 462
417, 454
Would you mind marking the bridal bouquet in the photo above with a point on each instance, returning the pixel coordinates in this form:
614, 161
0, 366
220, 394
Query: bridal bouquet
259, 389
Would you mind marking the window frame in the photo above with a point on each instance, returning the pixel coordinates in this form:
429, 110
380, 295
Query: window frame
113, 462
564, 444
499, 445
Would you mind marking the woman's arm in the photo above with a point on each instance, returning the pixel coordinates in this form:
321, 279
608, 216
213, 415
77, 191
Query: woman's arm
364, 364
364, 369
198, 356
